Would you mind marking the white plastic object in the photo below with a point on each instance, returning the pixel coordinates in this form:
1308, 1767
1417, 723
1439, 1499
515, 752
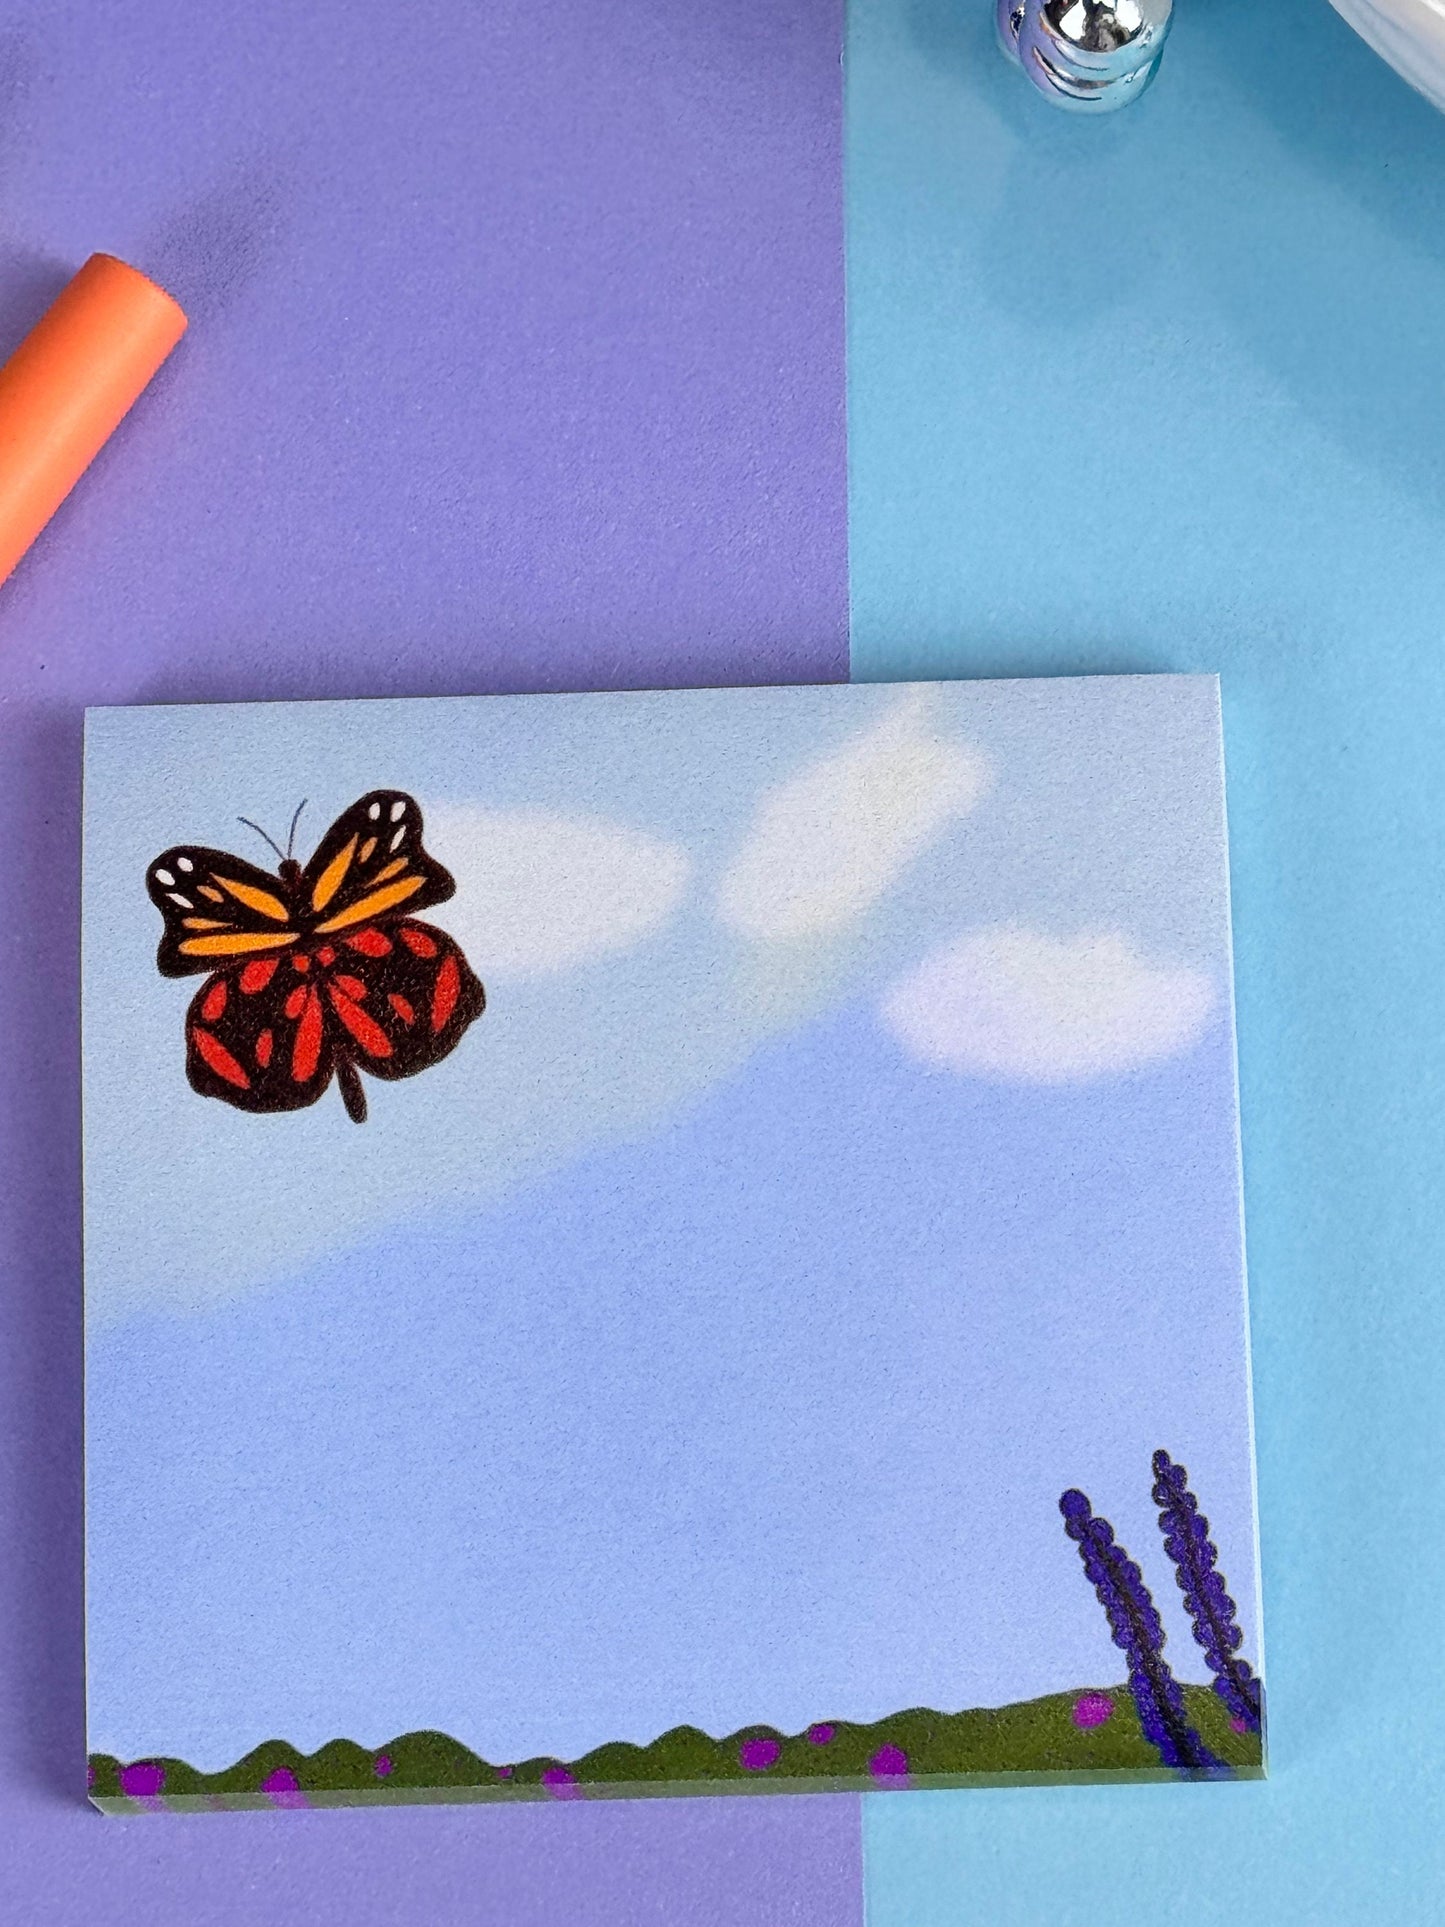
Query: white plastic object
1410, 34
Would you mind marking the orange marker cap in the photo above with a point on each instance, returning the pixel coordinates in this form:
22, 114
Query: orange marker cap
69, 384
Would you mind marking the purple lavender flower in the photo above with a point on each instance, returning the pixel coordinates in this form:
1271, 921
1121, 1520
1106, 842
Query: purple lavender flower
1211, 1610
1138, 1630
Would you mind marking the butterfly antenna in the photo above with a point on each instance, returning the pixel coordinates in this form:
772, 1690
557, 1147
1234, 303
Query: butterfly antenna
261, 833
291, 837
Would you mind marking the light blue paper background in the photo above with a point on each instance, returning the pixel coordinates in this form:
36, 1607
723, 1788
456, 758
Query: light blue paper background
1169, 392
683, 1348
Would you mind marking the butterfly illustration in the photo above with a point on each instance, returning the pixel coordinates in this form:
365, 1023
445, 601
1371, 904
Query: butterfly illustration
316, 971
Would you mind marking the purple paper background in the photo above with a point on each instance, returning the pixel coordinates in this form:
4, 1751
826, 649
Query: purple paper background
516, 363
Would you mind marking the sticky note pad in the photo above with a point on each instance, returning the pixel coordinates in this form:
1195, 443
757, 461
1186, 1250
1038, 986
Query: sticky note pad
664, 1243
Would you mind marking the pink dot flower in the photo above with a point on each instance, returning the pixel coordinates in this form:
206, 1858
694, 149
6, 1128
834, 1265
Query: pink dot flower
283, 1788
1092, 1709
382, 1766
821, 1734
889, 1766
561, 1783
143, 1781
757, 1755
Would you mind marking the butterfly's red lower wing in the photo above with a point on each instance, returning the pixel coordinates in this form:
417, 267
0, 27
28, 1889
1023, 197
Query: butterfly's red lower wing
399, 997
257, 1036
392, 999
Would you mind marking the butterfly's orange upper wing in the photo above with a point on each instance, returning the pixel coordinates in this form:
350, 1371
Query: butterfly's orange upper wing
371, 866
217, 910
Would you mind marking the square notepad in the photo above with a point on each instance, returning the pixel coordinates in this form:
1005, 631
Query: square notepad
659, 1243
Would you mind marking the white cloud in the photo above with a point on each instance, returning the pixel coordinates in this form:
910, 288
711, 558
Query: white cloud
1010, 1003
825, 845
539, 892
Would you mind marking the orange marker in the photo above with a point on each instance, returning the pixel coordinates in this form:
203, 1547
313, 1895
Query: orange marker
69, 384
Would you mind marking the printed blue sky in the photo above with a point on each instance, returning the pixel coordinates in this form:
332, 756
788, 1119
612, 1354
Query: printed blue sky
647, 902
845, 1163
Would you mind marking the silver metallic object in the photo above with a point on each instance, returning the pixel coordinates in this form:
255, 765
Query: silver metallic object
1087, 55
